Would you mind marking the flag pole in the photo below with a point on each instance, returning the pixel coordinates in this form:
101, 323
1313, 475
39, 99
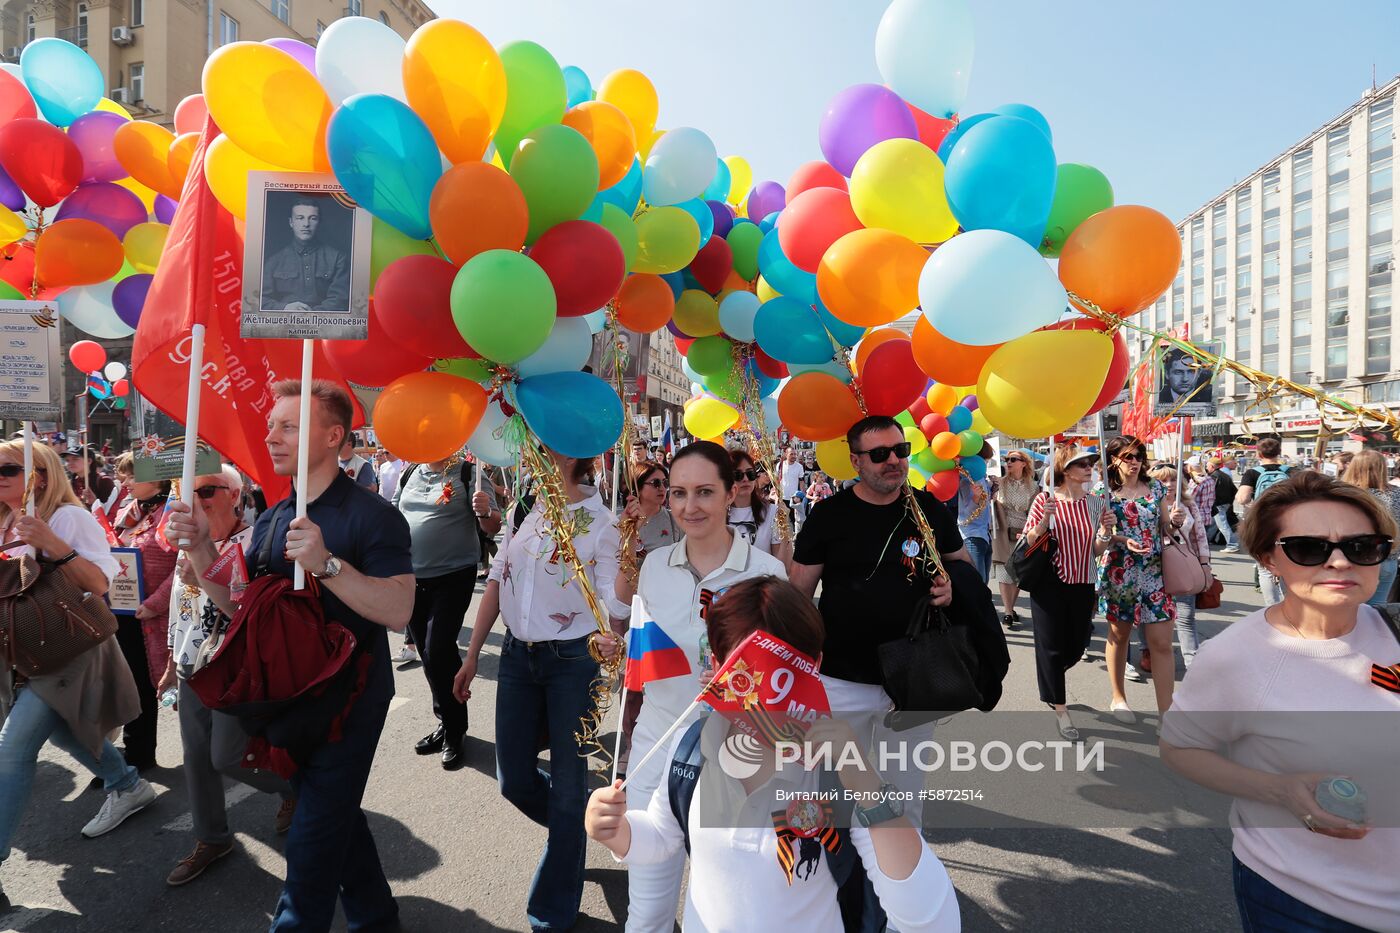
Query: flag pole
662, 743
303, 448
192, 399
83, 440
28, 466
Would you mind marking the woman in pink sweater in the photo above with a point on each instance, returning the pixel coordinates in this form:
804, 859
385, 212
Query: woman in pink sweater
1287, 699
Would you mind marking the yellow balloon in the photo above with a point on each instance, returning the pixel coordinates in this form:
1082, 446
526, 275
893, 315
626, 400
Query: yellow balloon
917, 479
766, 292
834, 458
633, 93
740, 178
917, 442
1042, 383
697, 313
147, 195
12, 227
709, 417
111, 106
143, 244
270, 105
898, 186
496, 159
226, 168
455, 82
980, 424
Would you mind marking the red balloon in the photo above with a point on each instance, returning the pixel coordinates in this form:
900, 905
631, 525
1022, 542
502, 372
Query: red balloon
413, 299
919, 410
814, 175
944, 485
932, 130
585, 263
375, 362
712, 264
120, 388
683, 344
933, 424
814, 220
41, 159
15, 101
770, 367
17, 267
88, 356
891, 380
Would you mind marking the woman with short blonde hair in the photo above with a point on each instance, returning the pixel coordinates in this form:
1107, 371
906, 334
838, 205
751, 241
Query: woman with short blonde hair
1010, 504
1367, 470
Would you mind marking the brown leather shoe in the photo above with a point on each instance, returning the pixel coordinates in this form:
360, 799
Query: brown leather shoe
285, 812
193, 865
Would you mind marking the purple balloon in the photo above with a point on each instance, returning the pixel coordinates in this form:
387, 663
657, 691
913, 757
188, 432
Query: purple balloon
129, 296
10, 195
765, 198
299, 50
165, 209
676, 331
969, 402
113, 206
92, 133
724, 218
858, 118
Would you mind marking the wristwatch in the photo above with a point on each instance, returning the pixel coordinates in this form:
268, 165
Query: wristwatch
332, 569
889, 808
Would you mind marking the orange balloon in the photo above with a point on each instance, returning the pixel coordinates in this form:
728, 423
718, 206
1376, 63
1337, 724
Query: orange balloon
455, 81
873, 340
871, 277
180, 156
645, 303
946, 360
610, 133
143, 150
941, 398
945, 446
77, 252
1122, 259
475, 207
428, 416
817, 407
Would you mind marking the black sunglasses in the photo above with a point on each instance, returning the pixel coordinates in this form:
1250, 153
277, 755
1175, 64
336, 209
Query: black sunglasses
1131, 458
655, 483
1015, 459
207, 492
881, 454
1362, 550
746, 476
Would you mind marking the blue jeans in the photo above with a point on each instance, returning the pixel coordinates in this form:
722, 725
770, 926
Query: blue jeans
1380, 597
980, 550
1222, 522
1186, 637
542, 687
1271, 586
31, 723
330, 852
1265, 908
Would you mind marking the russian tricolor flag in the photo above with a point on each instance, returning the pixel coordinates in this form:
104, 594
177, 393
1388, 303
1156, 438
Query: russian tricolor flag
651, 654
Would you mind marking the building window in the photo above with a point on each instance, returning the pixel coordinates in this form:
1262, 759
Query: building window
82, 25
228, 29
1270, 270
384, 17
1382, 126
1271, 191
1271, 232
138, 12
1302, 254
282, 9
138, 82
320, 28
1378, 329
1302, 172
1302, 217
1302, 290
1242, 280
1301, 361
30, 30
352, 7
1337, 153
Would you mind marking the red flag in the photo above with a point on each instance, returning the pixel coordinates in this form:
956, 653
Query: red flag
200, 281
772, 686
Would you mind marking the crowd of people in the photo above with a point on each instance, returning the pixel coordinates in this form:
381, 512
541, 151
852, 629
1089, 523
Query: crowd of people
399, 547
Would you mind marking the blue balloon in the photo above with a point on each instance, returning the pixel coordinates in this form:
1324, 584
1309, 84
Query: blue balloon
780, 273
574, 414
769, 221
566, 349
959, 419
767, 385
737, 313
626, 194
791, 332
677, 282
718, 189
975, 466
848, 335
690, 372
704, 218
1001, 176
576, 85
383, 154
64, 80
945, 148
832, 368
594, 214
1029, 114
597, 320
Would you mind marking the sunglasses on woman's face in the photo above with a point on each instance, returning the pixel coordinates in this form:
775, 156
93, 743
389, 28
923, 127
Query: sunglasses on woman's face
746, 476
1130, 458
881, 454
207, 492
11, 470
1362, 550
1015, 460
656, 484
1086, 464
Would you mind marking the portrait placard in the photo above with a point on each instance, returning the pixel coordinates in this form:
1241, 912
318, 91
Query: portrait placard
128, 589
1184, 385
31, 361
159, 452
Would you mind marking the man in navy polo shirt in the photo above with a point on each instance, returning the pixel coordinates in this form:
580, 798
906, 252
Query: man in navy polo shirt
357, 546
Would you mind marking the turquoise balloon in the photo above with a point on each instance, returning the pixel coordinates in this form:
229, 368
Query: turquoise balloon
736, 315
1001, 176
574, 414
503, 305
976, 467
718, 189
387, 160
557, 171
945, 148
679, 167
832, 368
791, 332
63, 79
1029, 114
779, 272
923, 49
704, 218
959, 420
577, 87
597, 320
565, 350
848, 335
626, 194
690, 372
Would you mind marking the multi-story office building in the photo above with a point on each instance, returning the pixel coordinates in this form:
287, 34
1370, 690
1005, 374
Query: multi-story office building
1291, 270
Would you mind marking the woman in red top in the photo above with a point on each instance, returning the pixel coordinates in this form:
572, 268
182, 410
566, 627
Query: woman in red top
1062, 607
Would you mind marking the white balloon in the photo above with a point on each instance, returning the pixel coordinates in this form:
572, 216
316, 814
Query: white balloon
679, 167
359, 55
90, 310
923, 49
597, 320
566, 349
114, 371
488, 440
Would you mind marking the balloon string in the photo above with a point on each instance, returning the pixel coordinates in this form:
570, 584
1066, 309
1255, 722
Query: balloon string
761, 444
38, 230
842, 356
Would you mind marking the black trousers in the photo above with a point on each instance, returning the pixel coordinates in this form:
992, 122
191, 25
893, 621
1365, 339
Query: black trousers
1061, 617
439, 609
139, 735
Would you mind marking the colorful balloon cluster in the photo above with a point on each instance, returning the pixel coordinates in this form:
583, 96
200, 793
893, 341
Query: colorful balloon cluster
104, 380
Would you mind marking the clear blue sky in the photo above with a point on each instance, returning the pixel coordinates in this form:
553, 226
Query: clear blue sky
1174, 101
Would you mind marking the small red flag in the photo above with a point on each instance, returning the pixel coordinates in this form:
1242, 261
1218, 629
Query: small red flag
773, 687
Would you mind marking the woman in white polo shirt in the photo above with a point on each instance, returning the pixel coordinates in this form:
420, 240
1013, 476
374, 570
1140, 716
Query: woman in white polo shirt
678, 583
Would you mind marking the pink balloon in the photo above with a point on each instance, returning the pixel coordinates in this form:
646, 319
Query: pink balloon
92, 133
299, 50
190, 114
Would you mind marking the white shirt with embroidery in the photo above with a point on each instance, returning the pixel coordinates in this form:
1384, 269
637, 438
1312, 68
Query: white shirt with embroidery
193, 615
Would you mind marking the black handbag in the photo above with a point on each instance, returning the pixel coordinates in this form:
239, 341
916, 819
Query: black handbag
1030, 565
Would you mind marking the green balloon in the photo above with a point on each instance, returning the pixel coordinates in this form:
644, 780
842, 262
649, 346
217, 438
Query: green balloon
535, 95
930, 464
905, 419
388, 244
744, 241
970, 442
465, 368
711, 356
557, 172
620, 225
126, 271
667, 240
726, 385
503, 305
1080, 192
10, 293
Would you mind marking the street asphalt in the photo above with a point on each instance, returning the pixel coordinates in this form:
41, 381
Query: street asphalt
461, 859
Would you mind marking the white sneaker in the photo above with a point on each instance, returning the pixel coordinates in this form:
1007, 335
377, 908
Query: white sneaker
119, 805
407, 654
1230, 550
1135, 675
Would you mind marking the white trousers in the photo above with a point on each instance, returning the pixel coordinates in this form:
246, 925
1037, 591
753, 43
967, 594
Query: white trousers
653, 891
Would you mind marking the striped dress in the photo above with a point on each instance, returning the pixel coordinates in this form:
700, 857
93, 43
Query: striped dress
1074, 537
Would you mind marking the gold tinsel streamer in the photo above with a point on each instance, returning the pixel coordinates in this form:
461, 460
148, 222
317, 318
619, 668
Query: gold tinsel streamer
760, 443
615, 354
549, 491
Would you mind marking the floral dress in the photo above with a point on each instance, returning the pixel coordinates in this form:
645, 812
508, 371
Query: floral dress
1131, 588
